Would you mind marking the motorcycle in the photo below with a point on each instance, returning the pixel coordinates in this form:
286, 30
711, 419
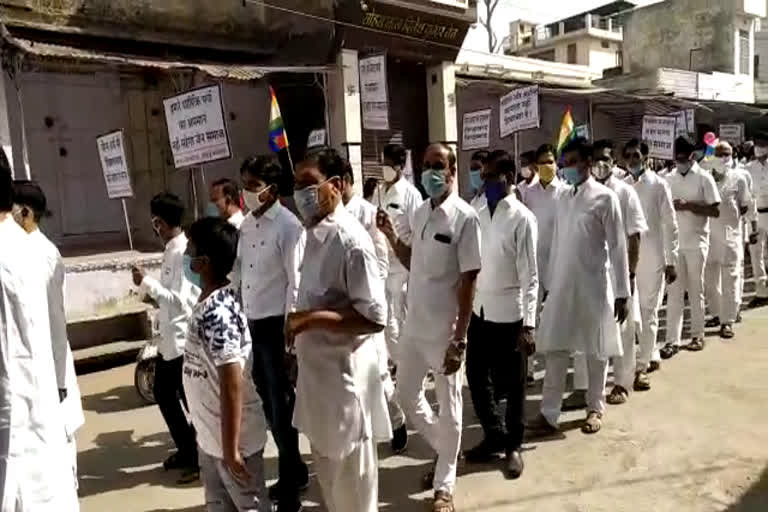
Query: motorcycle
144, 374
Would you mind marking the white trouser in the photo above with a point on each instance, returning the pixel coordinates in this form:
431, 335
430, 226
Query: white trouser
350, 484
554, 384
757, 255
442, 431
650, 292
722, 290
690, 277
397, 292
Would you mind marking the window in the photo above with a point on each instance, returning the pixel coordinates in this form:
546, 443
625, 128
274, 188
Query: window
605, 44
743, 52
572, 53
548, 55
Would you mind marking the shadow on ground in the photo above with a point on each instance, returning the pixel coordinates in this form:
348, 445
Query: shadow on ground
121, 398
756, 498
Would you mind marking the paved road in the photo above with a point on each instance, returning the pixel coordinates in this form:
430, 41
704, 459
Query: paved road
697, 442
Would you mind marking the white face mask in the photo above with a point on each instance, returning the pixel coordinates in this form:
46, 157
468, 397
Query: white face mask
761, 151
390, 174
727, 161
601, 171
253, 199
526, 172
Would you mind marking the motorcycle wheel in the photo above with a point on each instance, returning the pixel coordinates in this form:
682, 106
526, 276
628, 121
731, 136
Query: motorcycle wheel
144, 380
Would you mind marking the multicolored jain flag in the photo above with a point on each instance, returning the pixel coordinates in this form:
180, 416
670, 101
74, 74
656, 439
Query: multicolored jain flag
278, 139
567, 132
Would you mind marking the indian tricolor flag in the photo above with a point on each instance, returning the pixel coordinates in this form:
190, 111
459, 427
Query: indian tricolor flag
567, 132
278, 139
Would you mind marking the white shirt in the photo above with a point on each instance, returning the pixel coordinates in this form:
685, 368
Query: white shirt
62, 353
445, 244
176, 297
726, 238
759, 172
400, 201
588, 239
236, 219
660, 243
508, 283
696, 186
542, 202
269, 254
339, 392
365, 212
218, 335
631, 208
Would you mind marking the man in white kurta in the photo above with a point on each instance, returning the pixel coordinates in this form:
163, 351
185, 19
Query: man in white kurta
29, 208
340, 401
583, 303
758, 168
726, 240
35, 469
695, 199
658, 252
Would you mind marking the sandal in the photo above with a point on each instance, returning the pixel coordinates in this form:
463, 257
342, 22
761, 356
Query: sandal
696, 345
726, 331
642, 382
443, 502
618, 396
593, 423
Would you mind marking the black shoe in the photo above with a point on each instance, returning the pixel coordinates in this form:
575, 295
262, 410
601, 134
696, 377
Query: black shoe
513, 466
179, 461
189, 475
288, 505
484, 452
738, 318
276, 492
654, 366
669, 351
399, 440
713, 322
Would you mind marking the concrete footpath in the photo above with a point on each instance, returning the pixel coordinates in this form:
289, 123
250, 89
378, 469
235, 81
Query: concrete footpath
698, 441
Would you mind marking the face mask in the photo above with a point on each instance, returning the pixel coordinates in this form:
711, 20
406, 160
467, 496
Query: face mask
601, 171
573, 175
727, 161
761, 151
212, 210
476, 179
253, 199
547, 172
526, 172
433, 181
389, 172
495, 191
191, 276
636, 169
684, 167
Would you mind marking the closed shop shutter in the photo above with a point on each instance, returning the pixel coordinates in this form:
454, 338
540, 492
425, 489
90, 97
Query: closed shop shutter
408, 118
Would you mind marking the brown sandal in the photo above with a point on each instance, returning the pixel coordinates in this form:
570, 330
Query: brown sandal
443, 502
593, 423
618, 396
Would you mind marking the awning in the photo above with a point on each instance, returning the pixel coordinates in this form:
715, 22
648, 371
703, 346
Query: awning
243, 72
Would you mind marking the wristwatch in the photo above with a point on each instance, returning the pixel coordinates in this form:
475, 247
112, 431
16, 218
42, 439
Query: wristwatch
461, 344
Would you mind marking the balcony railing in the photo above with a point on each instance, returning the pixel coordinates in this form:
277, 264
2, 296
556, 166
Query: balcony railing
544, 32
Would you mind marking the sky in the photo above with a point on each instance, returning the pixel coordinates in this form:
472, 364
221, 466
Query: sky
540, 11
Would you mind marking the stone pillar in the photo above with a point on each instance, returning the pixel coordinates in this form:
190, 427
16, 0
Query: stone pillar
441, 105
345, 129
12, 135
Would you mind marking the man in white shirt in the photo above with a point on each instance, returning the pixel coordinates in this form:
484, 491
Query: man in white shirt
501, 331
267, 268
478, 165
225, 202
400, 200
30, 206
35, 468
635, 226
365, 212
748, 224
586, 291
340, 401
758, 168
726, 241
658, 254
695, 199
444, 260
176, 295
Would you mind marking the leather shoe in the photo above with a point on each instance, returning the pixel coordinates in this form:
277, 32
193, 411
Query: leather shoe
513, 467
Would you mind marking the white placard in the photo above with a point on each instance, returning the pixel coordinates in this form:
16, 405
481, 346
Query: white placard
316, 138
690, 116
681, 123
582, 130
375, 116
114, 164
519, 110
373, 79
732, 132
659, 134
476, 130
196, 128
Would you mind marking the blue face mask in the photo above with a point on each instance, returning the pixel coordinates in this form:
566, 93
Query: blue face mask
572, 175
212, 210
307, 202
636, 170
495, 191
433, 181
476, 179
190, 275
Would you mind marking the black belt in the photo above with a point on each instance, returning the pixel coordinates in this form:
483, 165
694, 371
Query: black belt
762, 210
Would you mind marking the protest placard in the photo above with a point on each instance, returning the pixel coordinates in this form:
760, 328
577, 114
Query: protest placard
732, 132
373, 92
659, 134
476, 130
519, 110
111, 147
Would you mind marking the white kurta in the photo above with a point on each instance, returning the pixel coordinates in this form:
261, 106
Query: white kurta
35, 471
588, 237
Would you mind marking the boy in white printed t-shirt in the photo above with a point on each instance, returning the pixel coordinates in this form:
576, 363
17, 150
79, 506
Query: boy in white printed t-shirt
225, 408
